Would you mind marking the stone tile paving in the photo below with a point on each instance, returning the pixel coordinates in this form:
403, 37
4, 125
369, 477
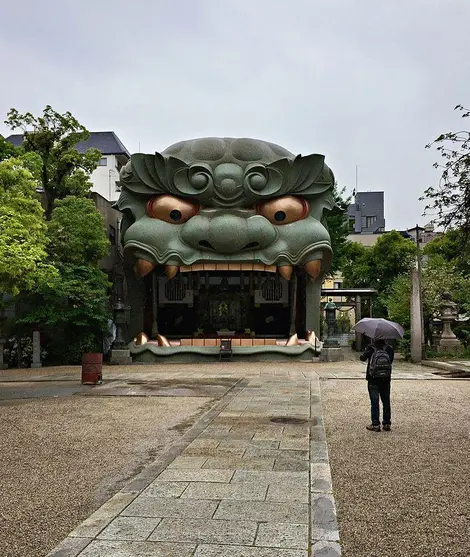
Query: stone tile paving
350, 369
242, 487
245, 486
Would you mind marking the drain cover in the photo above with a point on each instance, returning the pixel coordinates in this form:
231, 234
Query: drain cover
287, 420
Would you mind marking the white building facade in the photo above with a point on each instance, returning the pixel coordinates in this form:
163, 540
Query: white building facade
114, 157
104, 177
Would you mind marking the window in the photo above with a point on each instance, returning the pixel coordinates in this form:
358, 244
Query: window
337, 285
370, 221
103, 161
112, 235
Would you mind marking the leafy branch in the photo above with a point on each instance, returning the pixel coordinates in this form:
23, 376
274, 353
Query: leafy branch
450, 199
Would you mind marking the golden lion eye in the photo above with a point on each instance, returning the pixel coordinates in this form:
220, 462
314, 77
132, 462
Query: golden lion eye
284, 210
171, 209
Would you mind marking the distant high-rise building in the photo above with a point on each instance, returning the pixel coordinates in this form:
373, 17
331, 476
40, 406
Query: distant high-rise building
366, 214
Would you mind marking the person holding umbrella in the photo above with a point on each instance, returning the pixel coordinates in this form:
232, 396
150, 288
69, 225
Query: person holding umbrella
379, 356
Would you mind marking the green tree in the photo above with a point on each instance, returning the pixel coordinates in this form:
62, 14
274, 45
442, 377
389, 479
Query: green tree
72, 306
453, 247
450, 199
54, 136
398, 300
7, 150
355, 262
438, 276
75, 298
23, 238
377, 266
76, 232
338, 227
73, 310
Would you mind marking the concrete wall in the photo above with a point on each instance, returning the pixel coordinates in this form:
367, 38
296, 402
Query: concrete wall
112, 264
367, 240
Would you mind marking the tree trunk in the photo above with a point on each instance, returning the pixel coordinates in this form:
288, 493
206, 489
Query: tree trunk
49, 204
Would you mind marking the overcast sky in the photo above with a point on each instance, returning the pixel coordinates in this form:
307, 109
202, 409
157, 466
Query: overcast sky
364, 82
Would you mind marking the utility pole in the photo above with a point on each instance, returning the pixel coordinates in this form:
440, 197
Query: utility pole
417, 319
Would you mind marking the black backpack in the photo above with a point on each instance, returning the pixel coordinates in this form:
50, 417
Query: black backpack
380, 366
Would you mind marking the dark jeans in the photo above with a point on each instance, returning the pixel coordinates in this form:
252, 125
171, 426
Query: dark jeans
380, 389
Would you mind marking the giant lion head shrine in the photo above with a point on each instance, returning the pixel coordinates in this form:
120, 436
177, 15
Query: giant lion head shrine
225, 240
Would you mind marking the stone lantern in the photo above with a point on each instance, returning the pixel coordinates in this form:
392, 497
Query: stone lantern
331, 350
120, 320
120, 353
448, 342
331, 323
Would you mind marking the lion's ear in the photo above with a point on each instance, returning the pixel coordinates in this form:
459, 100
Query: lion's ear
307, 175
310, 175
150, 174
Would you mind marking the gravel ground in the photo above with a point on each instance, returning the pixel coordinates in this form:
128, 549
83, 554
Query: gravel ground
61, 458
405, 493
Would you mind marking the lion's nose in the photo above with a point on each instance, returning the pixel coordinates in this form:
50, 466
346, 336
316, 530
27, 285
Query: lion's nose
228, 234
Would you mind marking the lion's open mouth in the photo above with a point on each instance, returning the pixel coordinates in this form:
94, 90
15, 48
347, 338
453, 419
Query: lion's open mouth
312, 268
228, 267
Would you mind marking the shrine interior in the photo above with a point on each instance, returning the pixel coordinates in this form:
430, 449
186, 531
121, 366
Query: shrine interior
204, 304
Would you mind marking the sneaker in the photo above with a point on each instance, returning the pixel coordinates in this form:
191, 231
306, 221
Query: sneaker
373, 427
387, 427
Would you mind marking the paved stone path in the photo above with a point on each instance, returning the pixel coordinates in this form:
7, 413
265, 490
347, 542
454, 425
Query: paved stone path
243, 482
461, 367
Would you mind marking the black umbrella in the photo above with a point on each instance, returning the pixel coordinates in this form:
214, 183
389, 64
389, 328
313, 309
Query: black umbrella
379, 328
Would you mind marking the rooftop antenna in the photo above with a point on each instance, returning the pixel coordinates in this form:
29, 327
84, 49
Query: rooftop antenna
139, 146
355, 187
